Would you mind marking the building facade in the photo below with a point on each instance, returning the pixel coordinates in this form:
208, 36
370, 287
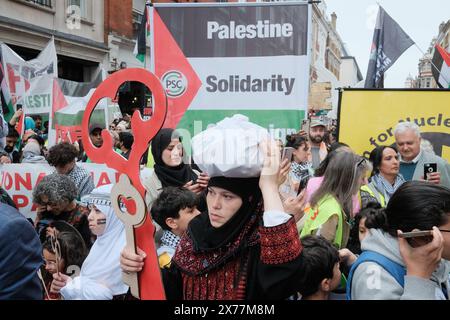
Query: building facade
76, 25
331, 64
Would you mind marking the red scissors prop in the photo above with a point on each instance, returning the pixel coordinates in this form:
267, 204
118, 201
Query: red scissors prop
147, 284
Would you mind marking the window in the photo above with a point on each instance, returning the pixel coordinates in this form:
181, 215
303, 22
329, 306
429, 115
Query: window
80, 4
44, 3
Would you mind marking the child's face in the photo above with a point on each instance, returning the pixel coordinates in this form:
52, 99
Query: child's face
362, 230
186, 215
50, 262
97, 221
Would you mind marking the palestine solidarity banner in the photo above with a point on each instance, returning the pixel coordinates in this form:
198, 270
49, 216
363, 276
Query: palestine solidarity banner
217, 60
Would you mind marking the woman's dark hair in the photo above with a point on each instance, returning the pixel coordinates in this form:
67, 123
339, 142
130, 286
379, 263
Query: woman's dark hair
319, 257
295, 140
415, 205
376, 157
333, 150
73, 249
62, 154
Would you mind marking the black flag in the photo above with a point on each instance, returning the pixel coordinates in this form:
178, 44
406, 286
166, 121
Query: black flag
389, 42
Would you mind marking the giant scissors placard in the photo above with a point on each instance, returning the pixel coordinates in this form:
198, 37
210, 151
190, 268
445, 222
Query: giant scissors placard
149, 280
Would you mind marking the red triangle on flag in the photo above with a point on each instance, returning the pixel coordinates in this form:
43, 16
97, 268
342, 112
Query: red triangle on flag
59, 100
172, 65
445, 55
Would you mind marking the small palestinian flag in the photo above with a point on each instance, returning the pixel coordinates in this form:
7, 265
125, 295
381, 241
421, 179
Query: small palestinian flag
441, 59
140, 49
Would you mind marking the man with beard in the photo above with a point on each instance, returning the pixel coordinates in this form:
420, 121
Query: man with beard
10, 153
318, 146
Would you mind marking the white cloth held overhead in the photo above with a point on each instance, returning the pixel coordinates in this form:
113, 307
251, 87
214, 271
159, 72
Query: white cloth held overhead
231, 148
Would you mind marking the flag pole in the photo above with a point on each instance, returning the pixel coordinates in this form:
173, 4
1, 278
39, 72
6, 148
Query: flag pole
431, 61
147, 5
152, 36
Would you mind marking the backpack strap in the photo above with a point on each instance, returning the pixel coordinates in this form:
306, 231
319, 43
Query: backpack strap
396, 270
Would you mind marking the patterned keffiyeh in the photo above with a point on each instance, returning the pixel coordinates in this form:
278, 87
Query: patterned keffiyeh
170, 239
82, 180
301, 171
385, 187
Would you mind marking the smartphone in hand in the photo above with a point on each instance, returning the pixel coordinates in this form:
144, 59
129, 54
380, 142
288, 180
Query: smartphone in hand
287, 153
418, 238
416, 234
429, 168
305, 125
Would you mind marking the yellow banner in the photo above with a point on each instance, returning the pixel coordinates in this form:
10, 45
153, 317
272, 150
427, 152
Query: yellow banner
367, 118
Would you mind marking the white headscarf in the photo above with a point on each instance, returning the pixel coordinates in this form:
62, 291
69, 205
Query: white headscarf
101, 275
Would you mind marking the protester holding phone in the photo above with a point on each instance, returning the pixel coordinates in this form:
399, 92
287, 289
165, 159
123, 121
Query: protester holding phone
413, 159
412, 264
301, 169
170, 170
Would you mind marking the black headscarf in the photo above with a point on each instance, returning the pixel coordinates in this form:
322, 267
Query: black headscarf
169, 176
207, 238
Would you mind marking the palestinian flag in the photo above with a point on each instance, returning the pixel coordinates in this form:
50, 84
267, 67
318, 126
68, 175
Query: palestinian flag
140, 49
69, 102
441, 59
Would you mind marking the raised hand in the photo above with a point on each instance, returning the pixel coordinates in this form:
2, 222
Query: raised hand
295, 206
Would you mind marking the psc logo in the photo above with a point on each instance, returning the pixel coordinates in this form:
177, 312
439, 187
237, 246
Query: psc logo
175, 83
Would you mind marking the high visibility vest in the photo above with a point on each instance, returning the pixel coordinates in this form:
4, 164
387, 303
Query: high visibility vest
317, 216
370, 188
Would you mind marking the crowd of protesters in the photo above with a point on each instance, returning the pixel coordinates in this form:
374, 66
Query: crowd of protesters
312, 226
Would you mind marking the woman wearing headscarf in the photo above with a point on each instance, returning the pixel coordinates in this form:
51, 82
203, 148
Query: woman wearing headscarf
226, 253
100, 277
170, 170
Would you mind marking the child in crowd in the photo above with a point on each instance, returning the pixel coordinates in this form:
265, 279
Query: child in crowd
174, 208
100, 277
320, 268
72, 252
